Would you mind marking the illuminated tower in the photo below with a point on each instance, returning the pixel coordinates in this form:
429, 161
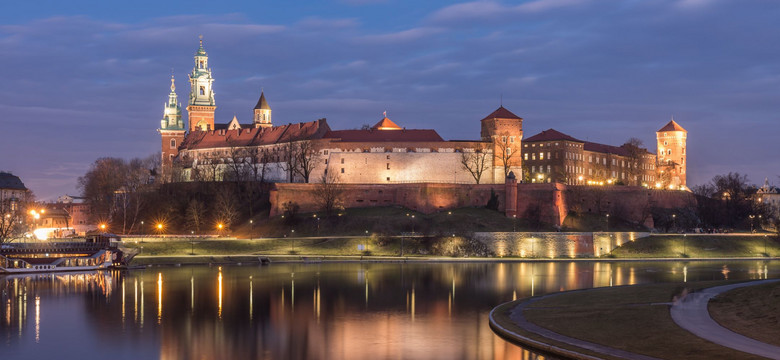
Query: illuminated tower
171, 130
505, 132
262, 113
671, 169
201, 106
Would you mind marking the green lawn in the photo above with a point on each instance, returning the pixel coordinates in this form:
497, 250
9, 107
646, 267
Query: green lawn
699, 246
631, 318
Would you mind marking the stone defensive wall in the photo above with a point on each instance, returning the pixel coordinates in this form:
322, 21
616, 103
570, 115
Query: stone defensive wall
423, 197
552, 202
554, 244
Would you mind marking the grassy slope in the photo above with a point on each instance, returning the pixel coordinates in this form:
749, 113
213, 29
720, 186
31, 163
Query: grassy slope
753, 311
699, 246
629, 318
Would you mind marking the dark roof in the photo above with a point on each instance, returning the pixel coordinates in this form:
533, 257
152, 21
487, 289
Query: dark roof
384, 135
607, 149
255, 136
261, 103
386, 124
551, 134
11, 181
502, 113
672, 126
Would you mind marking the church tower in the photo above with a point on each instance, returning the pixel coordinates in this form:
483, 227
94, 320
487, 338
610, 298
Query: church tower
262, 113
201, 106
171, 131
671, 169
504, 130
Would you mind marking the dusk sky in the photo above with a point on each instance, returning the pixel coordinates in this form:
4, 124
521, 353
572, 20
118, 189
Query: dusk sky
88, 79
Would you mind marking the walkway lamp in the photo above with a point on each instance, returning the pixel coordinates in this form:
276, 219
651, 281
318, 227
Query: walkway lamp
251, 229
674, 222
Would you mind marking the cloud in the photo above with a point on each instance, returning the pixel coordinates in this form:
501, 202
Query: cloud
492, 10
403, 36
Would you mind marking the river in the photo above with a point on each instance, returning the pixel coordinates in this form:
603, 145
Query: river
303, 311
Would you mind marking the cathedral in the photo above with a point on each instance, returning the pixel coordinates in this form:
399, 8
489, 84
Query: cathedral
388, 153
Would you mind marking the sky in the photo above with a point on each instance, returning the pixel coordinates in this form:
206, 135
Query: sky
88, 79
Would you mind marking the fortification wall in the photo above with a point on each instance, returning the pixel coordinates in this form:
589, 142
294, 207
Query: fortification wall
423, 197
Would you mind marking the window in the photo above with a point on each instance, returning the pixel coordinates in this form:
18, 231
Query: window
203, 90
541, 156
533, 168
666, 143
326, 161
669, 152
512, 139
388, 157
388, 166
548, 155
503, 139
548, 169
533, 156
388, 178
508, 151
525, 156
325, 152
342, 161
173, 143
342, 170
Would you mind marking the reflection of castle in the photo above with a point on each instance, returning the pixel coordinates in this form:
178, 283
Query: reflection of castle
388, 153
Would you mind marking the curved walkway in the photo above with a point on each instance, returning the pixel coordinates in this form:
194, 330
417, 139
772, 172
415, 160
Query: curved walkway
691, 314
516, 315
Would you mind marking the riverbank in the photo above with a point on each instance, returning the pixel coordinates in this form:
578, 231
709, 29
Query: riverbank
632, 319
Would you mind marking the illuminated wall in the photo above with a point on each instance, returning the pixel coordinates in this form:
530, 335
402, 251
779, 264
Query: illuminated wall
554, 245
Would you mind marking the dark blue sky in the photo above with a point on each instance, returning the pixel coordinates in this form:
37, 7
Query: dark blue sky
85, 79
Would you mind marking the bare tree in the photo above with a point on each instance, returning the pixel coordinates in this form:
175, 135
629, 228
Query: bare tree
636, 154
329, 193
225, 207
13, 218
195, 214
289, 158
504, 151
99, 184
306, 151
476, 161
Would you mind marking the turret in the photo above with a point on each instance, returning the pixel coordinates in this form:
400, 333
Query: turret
171, 132
262, 117
504, 130
201, 104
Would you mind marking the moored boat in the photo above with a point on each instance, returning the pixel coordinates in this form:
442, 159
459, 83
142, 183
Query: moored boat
100, 251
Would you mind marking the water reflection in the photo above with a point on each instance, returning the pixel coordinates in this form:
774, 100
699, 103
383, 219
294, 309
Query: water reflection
306, 311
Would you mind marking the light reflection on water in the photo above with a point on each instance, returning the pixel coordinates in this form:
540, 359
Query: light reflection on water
304, 311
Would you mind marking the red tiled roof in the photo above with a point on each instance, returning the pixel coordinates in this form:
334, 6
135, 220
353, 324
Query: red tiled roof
672, 126
386, 124
255, 136
502, 113
384, 135
551, 134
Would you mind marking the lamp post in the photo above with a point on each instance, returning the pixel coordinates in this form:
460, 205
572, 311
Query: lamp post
412, 224
292, 237
765, 253
192, 243
514, 222
220, 226
607, 222
159, 228
142, 227
751, 222
251, 229
685, 236
674, 222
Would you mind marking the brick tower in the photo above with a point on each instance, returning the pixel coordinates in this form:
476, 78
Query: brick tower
201, 106
171, 131
505, 132
671, 168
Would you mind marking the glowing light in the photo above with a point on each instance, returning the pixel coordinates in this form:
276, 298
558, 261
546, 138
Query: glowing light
159, 297
102, 226
220, 226
37, 319
159, 226
219, 293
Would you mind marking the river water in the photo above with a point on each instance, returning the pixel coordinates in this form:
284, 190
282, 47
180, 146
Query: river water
303, 311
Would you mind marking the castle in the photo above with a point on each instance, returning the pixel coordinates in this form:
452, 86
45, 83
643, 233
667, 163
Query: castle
387, 153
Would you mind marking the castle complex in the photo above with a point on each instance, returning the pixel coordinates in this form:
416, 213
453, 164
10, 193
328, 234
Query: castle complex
387, 153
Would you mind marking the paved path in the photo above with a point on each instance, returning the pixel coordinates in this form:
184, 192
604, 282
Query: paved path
516, 315
691, 314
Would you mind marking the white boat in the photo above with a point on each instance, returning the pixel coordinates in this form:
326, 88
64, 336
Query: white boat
96, 252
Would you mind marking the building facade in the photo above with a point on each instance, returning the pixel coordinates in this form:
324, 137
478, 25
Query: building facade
387, 153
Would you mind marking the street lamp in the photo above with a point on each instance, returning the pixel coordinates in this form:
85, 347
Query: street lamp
607, 222
142, 227
674, 222
192, 243
251, 229
685, 236
751, 222
102, 227
514, 222
159, 228
412, 224
292, 237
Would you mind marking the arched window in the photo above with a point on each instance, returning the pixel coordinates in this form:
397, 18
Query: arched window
203, 90
201, 64
173, 143
669, 152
